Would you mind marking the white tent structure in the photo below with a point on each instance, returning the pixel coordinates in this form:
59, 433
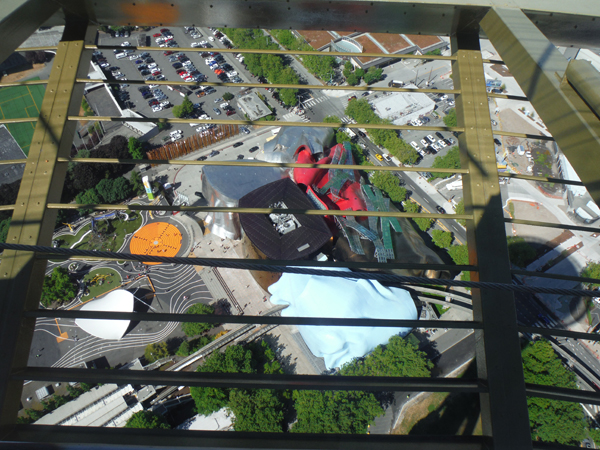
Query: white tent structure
119, 300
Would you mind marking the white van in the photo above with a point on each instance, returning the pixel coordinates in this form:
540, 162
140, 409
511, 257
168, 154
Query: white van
120, 55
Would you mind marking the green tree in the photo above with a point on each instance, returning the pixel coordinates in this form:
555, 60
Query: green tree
235, 359
437, 51
195, 328
115, 190
163, 126
352, 79
137, 186
4, 225
397, 358
592, 270
551, 420
257, 410
460, 209
389, 184
136, 148
184, 349
423, 223
334, 411
88, 197
442, 239
227, 96
359, 73
184, 110
459, 254
157, 351
373, 75
521, 254
146, 420
58, 287
450, 160
450, 118
332, 119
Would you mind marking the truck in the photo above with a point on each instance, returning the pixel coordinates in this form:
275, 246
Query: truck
396, 161
349, 132
396, 83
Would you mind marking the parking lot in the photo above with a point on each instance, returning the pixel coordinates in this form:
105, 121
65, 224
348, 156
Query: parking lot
205, 105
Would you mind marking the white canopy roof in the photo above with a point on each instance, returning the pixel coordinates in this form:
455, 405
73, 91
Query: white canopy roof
119, 300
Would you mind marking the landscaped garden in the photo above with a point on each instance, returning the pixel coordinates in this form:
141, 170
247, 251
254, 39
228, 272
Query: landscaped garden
100, 281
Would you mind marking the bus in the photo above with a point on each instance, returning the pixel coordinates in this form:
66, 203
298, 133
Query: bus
395, 83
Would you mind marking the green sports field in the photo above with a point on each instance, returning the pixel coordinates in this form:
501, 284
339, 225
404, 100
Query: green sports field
21, 101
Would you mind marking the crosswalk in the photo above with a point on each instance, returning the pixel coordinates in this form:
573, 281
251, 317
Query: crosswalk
292, 117
347, 119
314, 101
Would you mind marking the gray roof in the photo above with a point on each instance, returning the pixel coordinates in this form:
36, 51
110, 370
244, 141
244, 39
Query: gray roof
9, 149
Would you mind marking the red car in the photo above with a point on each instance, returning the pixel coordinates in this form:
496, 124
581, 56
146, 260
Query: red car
167, 53
163, 30
230, 112
156, 35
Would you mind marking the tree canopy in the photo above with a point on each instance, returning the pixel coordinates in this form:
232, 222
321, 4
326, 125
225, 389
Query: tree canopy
58, 287
4, 225
114, 190
353, 411
146, 420
253, 410
423, 223
195, 328
450, 160
450, 118
136, 148
361, 111
157, 351
389, 183
272, 67
185, 109
551, 420
592, 270
442, 239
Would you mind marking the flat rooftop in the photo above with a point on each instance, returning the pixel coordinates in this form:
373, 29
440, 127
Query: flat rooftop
423, 41
253, 106
391, 42
315, 38
401, 107
368, 47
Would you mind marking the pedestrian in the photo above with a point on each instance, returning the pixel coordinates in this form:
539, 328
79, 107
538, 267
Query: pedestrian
37, 356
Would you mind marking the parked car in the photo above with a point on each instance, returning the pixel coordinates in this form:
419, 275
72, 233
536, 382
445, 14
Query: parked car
217, 111
238, 144
214, 153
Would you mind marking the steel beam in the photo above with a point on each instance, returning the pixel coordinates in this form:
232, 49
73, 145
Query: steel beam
540, 69
137, 439
498, 352
21, 273
563, 22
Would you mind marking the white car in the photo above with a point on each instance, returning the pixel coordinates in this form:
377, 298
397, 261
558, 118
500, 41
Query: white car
187, 63
125, 44
211, 39
165, 103
424, 143
415, 145
152, 65
436, 147
157, 108
232, 74
442, 144
195, 44
431, 139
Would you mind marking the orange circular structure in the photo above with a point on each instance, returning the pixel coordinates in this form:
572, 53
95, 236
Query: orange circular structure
156, 239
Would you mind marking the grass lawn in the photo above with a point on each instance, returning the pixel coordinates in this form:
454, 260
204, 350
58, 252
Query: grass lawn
111, 281
111, 234
441, 309
22, 101
442, 413
67, 240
